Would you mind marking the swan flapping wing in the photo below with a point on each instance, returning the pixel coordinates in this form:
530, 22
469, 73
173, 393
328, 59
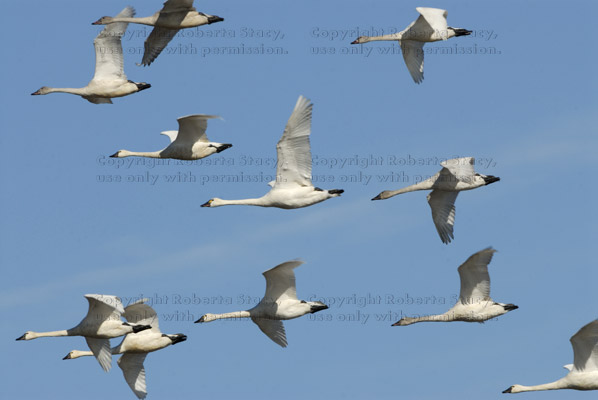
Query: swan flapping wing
280, 282
156, 42
458, 169
142, 314
475, 280
431, 18
293, 149
132, 366
413, 54
585, 348
101, 351
171, 135
109, 50
442, 204
273, 328
178, 5
103, 307
192, 129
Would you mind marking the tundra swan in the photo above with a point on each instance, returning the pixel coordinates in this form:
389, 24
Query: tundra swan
293, 187
101, 323
456, 175
135, 347
430, 26
583, 373
279, 303
189, 143
175, 15
109, 79
474, 304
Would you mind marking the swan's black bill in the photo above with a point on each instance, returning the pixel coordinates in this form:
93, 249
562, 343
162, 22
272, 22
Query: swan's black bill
37, 92
21, 337
115, 155
206, 204
377, 198
214, 18
202, 318
355, 42
67, 357
508, 390
223, 147
98, 22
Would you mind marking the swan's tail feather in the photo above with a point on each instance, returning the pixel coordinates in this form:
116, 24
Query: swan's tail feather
461, 32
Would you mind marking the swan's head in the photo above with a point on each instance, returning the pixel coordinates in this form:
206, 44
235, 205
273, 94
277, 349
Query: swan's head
514, 389
27, 336
360, 40
74, 354
42, 90
403, 322
176, 338
103, 21
315, 306
119, 154
206, 318
215, 202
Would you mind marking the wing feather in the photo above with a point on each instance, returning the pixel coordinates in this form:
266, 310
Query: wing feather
442, 204
475, 280
274, 329
109, 51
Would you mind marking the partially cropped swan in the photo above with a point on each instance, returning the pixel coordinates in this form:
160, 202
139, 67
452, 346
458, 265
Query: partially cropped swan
279, 303
583, 373
474, 304
135, 347
293, 187
101, 323
430, 26
175, 15
109, 79
189, 143
456, 175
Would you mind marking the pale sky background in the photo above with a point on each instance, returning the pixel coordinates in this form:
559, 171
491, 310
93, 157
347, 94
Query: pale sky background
524, 106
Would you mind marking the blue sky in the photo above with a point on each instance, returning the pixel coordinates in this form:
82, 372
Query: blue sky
525, 108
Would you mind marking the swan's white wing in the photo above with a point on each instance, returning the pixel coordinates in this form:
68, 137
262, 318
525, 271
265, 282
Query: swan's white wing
461, 168
101, 351
568, 367
413, 54
109, 51
585, 348
142, 314
178, 5
155, 43
293, 149
192, 129
442, 204
475, 280
435, 18
97, 100
134, 372
171, 135
103, 307
280, 282
273, 328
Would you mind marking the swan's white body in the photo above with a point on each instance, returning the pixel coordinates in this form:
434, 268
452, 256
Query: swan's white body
101, 323
135, 347
293, 187
474, 304
456, 175
190, 142
109, 79
279, 303
430, 26
175, 15
583, 373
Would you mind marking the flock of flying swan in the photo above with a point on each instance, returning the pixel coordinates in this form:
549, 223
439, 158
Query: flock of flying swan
292, 188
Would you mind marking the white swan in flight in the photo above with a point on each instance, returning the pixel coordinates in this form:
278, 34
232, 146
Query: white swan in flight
101, 323
456, 175
279, 303
109, 79
293, 187
135, 347
583, 373
175, 15
474, 304
430, 26
189, 143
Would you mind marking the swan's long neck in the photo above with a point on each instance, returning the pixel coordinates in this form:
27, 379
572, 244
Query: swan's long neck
247, 202
35, 335
149, 154
560, 384
78, 91
141, 20
425, 185
426, 318
393, 36
234, 314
